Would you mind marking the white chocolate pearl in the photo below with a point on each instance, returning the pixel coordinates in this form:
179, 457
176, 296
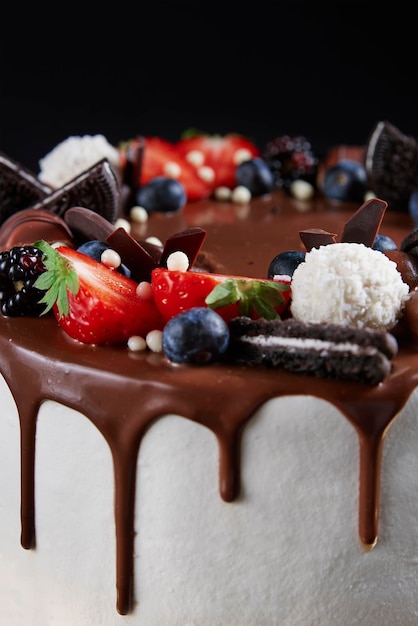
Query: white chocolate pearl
240, 194
154, 241
242, 155
301, 190
222, 193
178, 261
137, 343
172, 169
123, 223
138, 214
154, 340
195, 157
111, 258
206, 173
144, 290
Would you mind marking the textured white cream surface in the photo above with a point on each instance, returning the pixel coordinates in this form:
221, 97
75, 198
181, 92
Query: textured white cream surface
286, 553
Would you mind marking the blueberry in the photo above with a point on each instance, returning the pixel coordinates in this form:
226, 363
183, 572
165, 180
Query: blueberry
255, 175
197, 336
95, 248
384, 243
285, 263
162, 194
346, 181
413, 205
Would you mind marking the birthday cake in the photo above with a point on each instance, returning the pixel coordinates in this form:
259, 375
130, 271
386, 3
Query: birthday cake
263, 472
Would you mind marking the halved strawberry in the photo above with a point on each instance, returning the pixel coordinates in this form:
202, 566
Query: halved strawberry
176, 291
91, 302
161, 158
222, 153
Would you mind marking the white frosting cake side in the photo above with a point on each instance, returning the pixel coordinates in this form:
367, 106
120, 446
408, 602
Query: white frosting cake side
285, 553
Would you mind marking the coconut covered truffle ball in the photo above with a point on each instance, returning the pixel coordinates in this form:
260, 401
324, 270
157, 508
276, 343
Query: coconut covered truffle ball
348, 283
73, 156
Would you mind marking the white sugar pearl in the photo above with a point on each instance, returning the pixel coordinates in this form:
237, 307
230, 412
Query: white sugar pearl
154, 241
240, 194
195, 157
206, 173
154, 340
222, 193
301, 190
137, 343
123, 223
178, 261
172, 169
111, 258
138, 214
242, 155
144, 290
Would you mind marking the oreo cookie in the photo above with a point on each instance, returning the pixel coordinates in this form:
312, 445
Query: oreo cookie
324, 350
391, 165
97, 189
19, 187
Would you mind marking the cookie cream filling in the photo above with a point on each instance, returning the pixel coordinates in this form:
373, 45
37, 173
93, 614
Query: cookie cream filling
307, 344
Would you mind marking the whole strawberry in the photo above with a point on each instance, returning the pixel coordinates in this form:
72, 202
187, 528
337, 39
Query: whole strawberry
92, 302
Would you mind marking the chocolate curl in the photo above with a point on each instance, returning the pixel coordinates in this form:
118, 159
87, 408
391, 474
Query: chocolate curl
365, 223
132, 254
188, 241
315, 237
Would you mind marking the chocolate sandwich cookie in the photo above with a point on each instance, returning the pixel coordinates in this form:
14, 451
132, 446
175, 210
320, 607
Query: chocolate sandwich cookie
97, 189
19, 187
391, 164
326, 350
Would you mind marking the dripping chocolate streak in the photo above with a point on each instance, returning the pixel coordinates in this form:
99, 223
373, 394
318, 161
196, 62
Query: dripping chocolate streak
153, 388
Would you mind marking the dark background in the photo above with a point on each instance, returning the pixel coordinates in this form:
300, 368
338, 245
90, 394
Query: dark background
329, 72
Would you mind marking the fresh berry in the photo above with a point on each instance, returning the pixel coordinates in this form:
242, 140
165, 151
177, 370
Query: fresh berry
291, 158
19, 269
384, 243
256, 176
220, 153
162, 194
91, 302
345, 181
162, 158
177, 291
413, 204
198, 336
95, 248
285, 263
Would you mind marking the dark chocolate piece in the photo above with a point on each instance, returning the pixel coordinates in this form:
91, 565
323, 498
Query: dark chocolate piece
19, 187
365, 223
326, 350
410, 243
188, 241
315, 237
86, 224
96, 188
133, 254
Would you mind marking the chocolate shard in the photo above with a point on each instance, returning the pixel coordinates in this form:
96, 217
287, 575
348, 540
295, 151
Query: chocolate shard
133, 254
364, 225
324, 350
97, 188
86, 224
315, 237
19, 187
188, 241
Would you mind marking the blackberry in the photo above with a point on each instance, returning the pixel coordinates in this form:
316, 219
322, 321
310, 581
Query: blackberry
19, 268
291, 158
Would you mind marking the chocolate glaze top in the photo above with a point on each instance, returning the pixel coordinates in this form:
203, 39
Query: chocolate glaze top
243, 239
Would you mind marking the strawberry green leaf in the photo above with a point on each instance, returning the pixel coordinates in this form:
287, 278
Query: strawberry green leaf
59, 278
260, 296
